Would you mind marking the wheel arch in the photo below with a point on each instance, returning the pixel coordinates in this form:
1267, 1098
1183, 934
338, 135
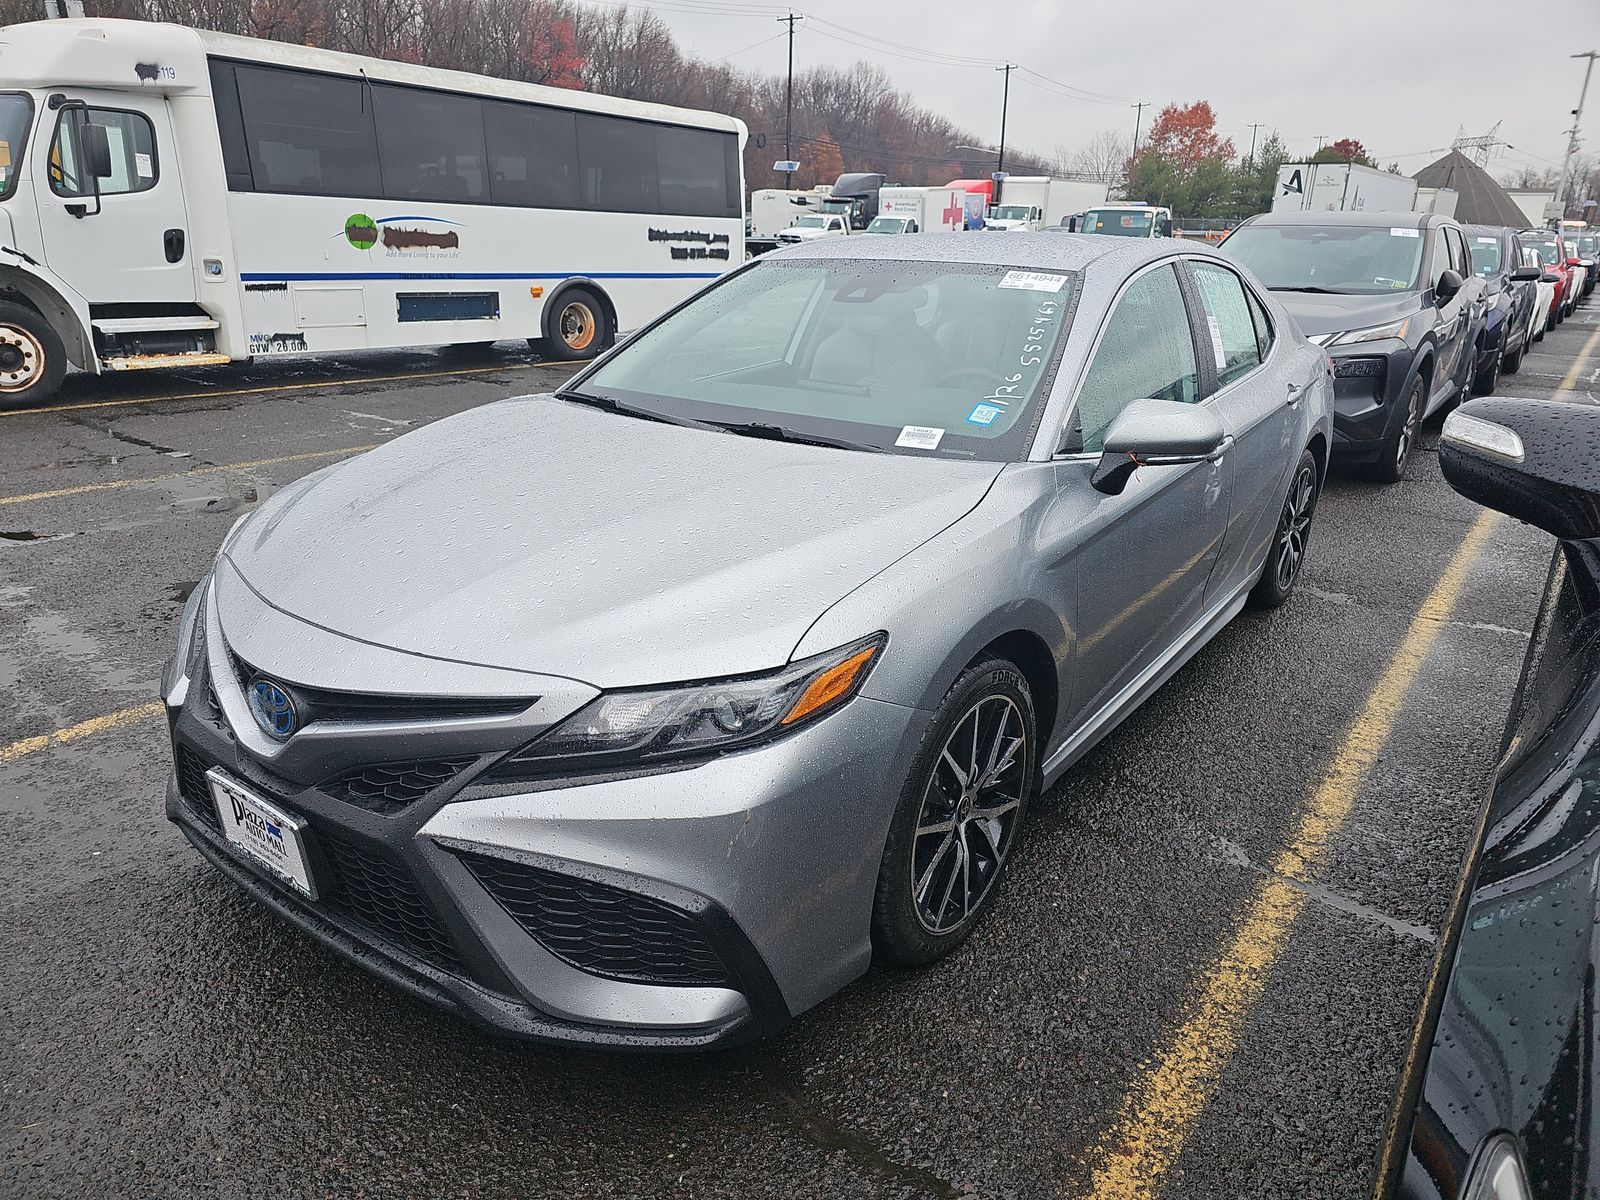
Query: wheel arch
1032, 656
1318, 445
553, 301
25, 288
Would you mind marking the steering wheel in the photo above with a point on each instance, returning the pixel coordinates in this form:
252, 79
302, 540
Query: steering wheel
970, 374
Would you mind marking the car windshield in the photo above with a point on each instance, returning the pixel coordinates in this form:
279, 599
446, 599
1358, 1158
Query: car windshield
904, 357
811, 223
1117, 222
16, 116
1011, 212
1359, 260
1586, 245
888, 225
1544, 247
1486, 254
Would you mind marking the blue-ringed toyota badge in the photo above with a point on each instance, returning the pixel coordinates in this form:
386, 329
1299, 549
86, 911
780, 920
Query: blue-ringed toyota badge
272, 707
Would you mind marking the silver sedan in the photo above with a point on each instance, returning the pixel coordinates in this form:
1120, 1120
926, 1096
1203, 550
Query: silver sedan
651, 711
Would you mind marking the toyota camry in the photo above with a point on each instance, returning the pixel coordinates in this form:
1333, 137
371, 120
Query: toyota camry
651, 711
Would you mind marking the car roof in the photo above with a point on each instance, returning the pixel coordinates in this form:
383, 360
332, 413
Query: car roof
1010, 249
1398, 220
1487, 230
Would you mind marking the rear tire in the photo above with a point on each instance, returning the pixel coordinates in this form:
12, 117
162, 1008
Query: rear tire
1399, 445
1512, 363
1486, 380
958, 816
1288, 553
577, 327
32, 359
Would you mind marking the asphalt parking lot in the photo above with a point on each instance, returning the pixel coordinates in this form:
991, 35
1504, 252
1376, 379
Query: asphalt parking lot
1200, 979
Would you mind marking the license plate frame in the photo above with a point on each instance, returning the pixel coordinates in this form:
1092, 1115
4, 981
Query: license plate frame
263, 834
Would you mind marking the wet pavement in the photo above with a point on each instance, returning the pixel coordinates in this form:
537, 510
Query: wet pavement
166, 1037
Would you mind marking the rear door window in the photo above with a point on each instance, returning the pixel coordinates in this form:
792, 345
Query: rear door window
1233, 341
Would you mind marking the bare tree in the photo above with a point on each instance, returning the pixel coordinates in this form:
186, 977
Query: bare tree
1103, 157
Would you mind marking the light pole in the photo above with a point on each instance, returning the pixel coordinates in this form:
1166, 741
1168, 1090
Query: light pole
788, 99
1577, 119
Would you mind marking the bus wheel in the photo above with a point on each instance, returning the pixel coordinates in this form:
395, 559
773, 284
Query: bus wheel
577, 327
32, 358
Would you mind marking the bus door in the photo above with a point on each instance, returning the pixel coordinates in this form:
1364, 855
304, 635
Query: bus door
129, 245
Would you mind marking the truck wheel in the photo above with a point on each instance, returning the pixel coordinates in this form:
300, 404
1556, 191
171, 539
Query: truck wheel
32, 358
577, 326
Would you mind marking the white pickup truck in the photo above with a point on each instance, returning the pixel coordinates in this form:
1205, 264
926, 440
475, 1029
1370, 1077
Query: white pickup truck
813, 227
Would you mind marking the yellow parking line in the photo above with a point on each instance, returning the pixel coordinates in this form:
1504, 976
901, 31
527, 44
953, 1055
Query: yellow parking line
277, 387
114, 484
1158, 1114
1578, 364
83, 729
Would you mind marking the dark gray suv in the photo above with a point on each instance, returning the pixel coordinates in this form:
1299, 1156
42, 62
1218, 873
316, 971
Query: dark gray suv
1393, 298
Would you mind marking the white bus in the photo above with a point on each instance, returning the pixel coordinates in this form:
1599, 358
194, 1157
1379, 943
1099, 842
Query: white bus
171, 197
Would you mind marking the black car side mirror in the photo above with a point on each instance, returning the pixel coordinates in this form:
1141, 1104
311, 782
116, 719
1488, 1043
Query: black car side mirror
1549, 277
1525, 275
1530, 459
1157, 433
1449, 284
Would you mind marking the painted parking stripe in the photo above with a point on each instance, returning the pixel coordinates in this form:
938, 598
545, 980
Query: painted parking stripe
1578, 364
223, 393
1142, 1144
76, 733
222, 468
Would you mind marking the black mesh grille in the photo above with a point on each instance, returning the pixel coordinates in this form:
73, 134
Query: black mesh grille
194, 788
602, 929
370, 886
390, 787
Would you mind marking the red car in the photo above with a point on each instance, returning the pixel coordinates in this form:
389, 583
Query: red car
1553, 255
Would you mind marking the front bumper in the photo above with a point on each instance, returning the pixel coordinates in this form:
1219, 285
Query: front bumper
1370, 381
673, 910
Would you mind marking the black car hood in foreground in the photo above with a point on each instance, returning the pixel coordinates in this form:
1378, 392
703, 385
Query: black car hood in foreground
1508, 1043
1317, 314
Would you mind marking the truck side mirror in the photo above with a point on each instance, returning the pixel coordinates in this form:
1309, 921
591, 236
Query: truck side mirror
94, 151
1164, 227
1525, 275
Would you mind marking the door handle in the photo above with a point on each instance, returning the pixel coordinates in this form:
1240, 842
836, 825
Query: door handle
1226, 445
172, 243
1295, 392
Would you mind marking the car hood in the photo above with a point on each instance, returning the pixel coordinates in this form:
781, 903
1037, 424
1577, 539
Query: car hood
1317, 314
537, 535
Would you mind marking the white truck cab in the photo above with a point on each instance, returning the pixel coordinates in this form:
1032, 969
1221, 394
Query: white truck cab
1127, 220
813, 227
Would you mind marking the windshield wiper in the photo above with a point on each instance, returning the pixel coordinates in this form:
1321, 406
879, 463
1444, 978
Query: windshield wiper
1321, 291
778, 433
612, 405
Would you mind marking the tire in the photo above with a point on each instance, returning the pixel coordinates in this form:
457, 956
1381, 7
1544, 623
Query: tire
1486, 380
577, 327
1512, 363
916, 925
1281, 571
32, 359
1399, 445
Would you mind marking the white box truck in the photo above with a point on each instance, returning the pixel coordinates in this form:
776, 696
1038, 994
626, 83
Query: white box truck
919, 210
772, 210
1341, 187
1034, 201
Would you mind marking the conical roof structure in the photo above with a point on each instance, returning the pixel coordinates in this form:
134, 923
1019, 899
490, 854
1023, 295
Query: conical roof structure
1479, 199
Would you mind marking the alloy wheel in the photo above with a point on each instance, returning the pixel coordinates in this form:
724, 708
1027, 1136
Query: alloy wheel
22, 359
1295, 526
969, 814
1408, 431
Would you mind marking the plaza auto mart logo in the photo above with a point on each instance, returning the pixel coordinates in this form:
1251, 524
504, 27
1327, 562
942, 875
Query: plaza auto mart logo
411, 236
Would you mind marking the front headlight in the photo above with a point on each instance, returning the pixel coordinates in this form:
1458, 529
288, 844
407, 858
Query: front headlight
1394, 329
628, 727
1497, 1172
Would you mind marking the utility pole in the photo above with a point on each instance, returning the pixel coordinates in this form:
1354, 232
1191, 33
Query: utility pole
1577, 120
1005, 103
1252, 159
1138, 113
1321, 137
788, 97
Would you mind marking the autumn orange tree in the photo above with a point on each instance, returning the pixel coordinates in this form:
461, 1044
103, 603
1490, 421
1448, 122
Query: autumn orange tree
1346, 150
1184, 163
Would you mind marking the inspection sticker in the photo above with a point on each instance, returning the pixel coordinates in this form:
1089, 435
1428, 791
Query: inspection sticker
1405, 233
1489, 241
1216, 342
984, 414
141, 164
1033, 281
920, 437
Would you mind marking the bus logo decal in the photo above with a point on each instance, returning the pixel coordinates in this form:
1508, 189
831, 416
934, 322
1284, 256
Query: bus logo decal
361, 231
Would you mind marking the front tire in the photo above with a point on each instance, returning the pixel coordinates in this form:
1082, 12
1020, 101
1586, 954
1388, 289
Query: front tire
1397, 447
1513, 361
32, 359
1288, 553
1486, 380
958, 817
578, 327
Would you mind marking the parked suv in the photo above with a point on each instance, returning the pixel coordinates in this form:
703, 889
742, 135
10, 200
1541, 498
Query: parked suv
1508, 303
1393, 298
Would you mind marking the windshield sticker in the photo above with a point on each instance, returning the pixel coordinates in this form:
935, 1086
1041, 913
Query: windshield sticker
141, 165
1216, 342
1033, 281
920, 437
1487, 241
984, 414
1405, 233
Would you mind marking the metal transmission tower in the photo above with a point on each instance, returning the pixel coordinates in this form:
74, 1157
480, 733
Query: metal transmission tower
1577, 120
1479, 149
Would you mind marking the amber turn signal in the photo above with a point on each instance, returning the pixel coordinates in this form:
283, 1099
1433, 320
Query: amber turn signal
833, 684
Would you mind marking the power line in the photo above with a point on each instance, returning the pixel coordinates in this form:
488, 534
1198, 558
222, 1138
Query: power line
750, 47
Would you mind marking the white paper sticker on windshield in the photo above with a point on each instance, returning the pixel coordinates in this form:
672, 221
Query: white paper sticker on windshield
1033, 281
1216, 342
1405, 233
920, 437
141, 164
1487, 241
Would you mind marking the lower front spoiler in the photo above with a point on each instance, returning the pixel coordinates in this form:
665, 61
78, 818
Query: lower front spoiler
500, 1014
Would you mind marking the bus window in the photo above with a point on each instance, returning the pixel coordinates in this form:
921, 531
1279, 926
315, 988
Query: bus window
693, 172
133, 152
533, 155
619, 164
309, 134
16, 116
430, 145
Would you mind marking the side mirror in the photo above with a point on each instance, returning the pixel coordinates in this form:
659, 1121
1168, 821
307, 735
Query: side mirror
1449, 284
94, 151
1157, 433
1549, 277
1530, 459
1525, 275
1164, 227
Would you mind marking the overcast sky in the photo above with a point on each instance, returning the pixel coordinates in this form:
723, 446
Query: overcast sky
1400, 76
